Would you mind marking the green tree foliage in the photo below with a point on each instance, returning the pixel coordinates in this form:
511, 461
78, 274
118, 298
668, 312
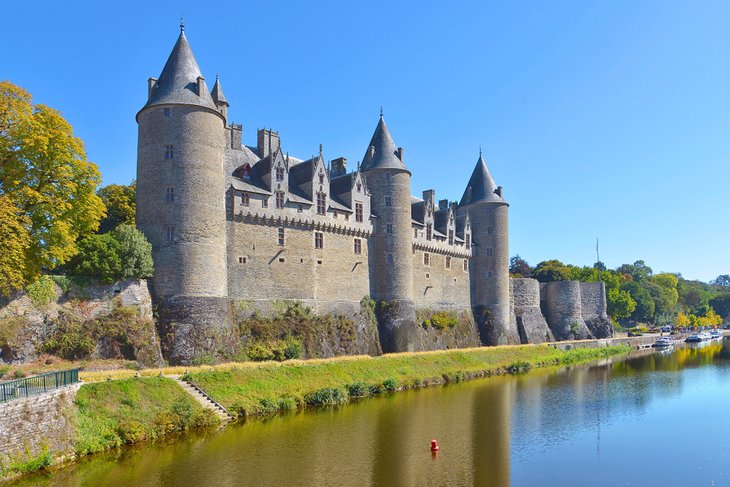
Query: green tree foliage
722, 280
620, 304
122, 254
645, 306
638, 270
120, 205
135, 252
46, 178
552, 270
721, 305
519, 267
98, 256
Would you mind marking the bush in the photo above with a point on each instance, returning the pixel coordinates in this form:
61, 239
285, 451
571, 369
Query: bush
63, 282
519, 367
42, 291
329, 396
358, 389
390, 385
135, 253
279, 350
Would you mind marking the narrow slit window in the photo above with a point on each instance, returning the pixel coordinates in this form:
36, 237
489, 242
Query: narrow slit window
318, 240
169, 152
280, 239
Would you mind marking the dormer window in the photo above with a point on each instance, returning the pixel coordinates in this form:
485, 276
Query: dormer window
358, 212
451, 237
279, 173
246, 172
321, 203
321, 178
280, 199
359, 186
467, 241
429, 231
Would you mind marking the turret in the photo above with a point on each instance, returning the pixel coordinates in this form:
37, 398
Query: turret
391, 264
219, 98
181, 198
489, 269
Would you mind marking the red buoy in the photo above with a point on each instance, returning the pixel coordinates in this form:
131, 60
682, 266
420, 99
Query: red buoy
434, 445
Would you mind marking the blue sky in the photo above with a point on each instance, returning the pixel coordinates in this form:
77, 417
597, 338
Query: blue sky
600, 119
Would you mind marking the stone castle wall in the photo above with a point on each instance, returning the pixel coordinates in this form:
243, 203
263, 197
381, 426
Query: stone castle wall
531, 324
33, 425
437, 286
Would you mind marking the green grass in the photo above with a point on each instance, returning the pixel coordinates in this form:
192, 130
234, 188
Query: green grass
269, 387
113, 413
26, 464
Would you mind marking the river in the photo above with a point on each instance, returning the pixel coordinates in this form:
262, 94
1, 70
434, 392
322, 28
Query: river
650, 419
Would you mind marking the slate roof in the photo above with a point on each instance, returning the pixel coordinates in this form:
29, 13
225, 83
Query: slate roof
249, 186
217, 92
178, 82
481, 186
385, 151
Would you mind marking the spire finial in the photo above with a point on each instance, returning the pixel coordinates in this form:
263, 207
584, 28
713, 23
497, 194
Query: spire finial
320, 150
480, 150
381, 111
216, 76
182, 24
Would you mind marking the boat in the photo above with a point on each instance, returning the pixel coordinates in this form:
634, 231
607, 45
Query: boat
693, 339
715, 334
663, 342
704, 336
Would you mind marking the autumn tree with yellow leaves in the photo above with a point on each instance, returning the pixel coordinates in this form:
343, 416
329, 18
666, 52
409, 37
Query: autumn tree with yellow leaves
47, 189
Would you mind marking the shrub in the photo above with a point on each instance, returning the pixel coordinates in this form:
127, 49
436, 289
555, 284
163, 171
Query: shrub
444, 319
519, 367
135, 253
42, 291
329, 396
279, 350
358, 389
390, 385
63, 282
9, 329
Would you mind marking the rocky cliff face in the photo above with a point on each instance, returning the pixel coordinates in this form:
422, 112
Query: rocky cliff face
88, 320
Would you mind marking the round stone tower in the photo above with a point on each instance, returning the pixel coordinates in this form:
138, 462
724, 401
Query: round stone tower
391, 263
489, 270
181, 203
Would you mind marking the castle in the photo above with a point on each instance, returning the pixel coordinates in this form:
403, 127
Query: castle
230, 222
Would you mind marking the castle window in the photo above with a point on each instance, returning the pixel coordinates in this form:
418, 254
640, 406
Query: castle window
466, 265
415, 233
245, 200
170, 194
358, 212
279, 173
334, 214
490, 230
389, 258
358, 246
318, 240
280, 199
300, 208
246, 172
281, 237
490, 253
347, 217
467, 241
169, 154
282, 259
265, 202
321, 178
451, 237
242, 260
319, 262
489, 274
388, 201
429, 231
387, 176
389, 228
428, 276
321, 203
448, 262
169, 233
426, 258
167, 112
359, 186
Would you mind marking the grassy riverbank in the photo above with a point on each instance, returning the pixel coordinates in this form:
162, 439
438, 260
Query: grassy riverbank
272, 387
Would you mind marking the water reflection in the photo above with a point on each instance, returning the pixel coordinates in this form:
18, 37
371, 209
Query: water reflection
577, 425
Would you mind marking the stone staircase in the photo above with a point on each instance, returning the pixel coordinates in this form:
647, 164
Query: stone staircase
205, 400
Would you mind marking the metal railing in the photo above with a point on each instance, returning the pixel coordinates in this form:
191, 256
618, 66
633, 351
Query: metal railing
38, 384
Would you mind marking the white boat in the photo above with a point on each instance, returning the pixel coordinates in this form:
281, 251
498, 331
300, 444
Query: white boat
693, 339
704, 336
663, 342
715, 334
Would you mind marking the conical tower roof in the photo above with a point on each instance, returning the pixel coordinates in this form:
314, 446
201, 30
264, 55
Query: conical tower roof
384, 155
481, 186
178, 82
217, 92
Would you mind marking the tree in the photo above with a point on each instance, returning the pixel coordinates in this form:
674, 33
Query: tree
600, 266
645, 306
722, 280
663, 289
120, 205
620, 305
47, 179
14, 243
552, 270
135, 253
638, 270
519, 266
721, 304
682, 320
98, 256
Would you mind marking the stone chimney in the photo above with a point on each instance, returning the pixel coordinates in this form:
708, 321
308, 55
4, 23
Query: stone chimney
236, 132
498, 191
399, 153
201, 86
268, 142
443, 204
429, 195
150, 86
339, 167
